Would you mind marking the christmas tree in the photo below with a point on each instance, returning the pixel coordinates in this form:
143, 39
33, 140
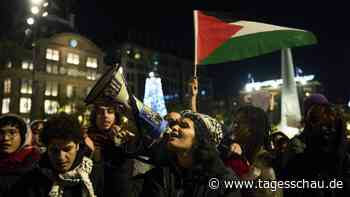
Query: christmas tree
154, 97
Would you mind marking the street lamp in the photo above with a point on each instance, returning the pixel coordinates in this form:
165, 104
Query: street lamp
36, 2
30, 21
38, 9
35, 10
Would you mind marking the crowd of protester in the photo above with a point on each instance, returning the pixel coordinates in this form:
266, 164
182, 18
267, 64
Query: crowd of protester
60, 158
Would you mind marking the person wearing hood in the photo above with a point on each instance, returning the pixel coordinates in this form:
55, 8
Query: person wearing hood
323, 156
36, 127
63, 170
17, 156
193, 161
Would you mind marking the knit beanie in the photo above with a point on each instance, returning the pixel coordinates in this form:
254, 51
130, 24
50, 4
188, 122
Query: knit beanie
313, 99
208, 127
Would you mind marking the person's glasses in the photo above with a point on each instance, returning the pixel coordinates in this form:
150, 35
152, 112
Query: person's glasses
10, 133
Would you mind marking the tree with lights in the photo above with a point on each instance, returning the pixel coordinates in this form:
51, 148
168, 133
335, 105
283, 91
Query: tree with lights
154, 97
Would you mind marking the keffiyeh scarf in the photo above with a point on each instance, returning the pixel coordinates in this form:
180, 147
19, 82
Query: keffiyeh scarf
79, 175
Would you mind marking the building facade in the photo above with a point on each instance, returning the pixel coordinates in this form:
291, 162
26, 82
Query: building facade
267, 94
65, 68
175, 74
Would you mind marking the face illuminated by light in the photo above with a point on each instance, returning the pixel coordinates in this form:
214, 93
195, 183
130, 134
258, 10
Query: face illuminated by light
62, 154
173, 116
182, 135
105, 117
36, 130
10, 139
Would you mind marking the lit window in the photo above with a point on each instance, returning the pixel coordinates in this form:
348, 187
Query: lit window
73, 58
91, 75
51, 107
26, 86
49, 68
7, 86
91, 62
52, 68
63, 70
70, 108
24, 105
55, 69
9, 64
5, 105
52, 54
27, 65
51, 88
70, 91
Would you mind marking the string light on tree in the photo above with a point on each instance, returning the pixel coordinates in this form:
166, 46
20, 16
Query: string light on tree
154, 97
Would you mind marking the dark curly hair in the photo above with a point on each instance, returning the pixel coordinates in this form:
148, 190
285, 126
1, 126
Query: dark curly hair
258, 122
61, 126
93, 115
206, 157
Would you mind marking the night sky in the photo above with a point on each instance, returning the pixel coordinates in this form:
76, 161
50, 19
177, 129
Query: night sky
107, 23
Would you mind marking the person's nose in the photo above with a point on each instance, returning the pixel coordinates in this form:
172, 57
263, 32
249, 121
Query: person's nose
176, 128
6, 136
61, 156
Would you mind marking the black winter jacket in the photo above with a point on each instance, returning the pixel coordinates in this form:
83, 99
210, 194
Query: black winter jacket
172, 181
36, 184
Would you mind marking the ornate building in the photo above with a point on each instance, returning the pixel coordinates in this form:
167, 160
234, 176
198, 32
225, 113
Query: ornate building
66, 66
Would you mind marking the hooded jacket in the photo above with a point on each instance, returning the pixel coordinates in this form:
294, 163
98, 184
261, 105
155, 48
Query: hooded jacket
307, 161
15, 165
174, 181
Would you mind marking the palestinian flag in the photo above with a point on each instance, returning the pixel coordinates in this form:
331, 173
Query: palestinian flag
218, 41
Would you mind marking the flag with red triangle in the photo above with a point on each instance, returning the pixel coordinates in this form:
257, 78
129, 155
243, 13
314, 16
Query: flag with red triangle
218, 41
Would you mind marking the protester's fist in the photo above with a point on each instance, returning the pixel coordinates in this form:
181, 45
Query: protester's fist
121, 135
194, 86
236, 148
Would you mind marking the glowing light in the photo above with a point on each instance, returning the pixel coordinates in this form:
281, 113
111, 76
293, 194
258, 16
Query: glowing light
307, 94
36, 2
151, 74
45, 4
137, 56
275, 83
154, 97
30, 21
289, 131
45, 14
34, 10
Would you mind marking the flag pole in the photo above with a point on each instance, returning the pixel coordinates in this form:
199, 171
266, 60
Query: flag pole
195, 43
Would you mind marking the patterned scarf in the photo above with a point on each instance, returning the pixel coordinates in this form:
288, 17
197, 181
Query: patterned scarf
79, 174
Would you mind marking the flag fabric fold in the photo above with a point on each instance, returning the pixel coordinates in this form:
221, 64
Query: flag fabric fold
219, 41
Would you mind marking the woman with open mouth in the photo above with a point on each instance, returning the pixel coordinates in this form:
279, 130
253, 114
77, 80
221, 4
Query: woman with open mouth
193, 160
